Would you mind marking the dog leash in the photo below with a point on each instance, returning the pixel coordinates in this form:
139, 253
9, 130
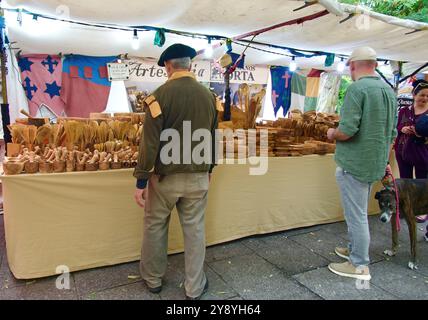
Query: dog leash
397, 201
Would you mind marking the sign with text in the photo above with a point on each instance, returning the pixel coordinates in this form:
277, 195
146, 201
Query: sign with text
145, 71
404, 102
118, 71
251, 74
205, 71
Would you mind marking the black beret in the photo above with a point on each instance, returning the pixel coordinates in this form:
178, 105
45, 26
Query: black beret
421, 126
176, 51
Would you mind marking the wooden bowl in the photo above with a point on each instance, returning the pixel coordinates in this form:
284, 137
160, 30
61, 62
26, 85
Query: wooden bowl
80, 167
59, 166
31, 167
70, 165
104, 165
116, 165
46, 167
13, 167
91, 166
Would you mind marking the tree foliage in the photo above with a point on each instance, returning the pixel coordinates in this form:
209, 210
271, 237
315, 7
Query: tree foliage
407, 9
345, 83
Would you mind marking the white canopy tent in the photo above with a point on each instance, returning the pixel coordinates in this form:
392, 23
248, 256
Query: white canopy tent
388, 36
340, 31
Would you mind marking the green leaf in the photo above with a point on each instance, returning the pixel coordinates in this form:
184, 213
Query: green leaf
406, 9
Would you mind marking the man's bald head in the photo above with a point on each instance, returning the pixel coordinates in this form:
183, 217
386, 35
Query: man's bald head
362, 68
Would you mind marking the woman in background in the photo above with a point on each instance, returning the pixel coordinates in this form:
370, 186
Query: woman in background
411, 151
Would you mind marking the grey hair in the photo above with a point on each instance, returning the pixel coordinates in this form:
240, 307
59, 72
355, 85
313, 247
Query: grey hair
181, 63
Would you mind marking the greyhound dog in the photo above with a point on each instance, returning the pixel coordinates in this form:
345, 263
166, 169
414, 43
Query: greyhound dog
413, 201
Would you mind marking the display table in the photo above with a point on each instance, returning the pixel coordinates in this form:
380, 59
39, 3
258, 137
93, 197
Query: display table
89, 219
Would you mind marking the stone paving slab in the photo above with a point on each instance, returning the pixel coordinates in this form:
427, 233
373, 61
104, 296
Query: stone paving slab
226, 250
402, 257
338, 228
7, 280
295, 232
134, 291
322, 243
286, 254
40, 289
254, 278
333, 287
399, 280
93, 280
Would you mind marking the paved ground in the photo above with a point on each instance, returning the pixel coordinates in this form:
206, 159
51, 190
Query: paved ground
284, 265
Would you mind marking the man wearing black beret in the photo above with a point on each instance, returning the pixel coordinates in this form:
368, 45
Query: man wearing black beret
176, 51
170, 175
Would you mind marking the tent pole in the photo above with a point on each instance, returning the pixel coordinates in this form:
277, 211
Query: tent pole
5, 104
398, 77
414, 72
227, 99
3, 76
384, 78
283, 24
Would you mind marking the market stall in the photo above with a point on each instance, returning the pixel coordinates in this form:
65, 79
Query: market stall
89, 219
68, 187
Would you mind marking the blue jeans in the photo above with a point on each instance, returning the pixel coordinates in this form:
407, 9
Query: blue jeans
355, 199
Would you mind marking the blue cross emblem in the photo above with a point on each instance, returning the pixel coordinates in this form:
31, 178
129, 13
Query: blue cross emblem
49, 62
28, 88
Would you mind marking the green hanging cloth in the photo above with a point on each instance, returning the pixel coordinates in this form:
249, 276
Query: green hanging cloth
159, 38
329, 59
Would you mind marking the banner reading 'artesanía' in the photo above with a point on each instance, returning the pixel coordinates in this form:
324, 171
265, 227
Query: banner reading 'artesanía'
142, 70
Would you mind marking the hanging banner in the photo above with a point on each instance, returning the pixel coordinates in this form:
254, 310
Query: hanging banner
148, 71
205, 71
251, 74
41, 76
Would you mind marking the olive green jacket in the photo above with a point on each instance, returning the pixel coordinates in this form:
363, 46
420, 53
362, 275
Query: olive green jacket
185, 105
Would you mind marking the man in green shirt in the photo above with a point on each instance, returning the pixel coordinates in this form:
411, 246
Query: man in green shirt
176, 158
366, 131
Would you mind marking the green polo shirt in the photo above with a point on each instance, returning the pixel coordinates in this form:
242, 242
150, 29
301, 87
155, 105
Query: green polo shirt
369, 117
